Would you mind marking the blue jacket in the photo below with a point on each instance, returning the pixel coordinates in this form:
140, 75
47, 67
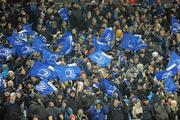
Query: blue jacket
98, 115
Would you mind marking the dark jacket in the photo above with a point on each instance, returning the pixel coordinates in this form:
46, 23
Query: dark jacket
36, 108
12, 111
116, 113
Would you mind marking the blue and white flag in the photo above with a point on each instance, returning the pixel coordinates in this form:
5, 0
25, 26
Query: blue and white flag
14, 39
100, 58
132, 42
107, 36
63, 12
38, 43
68, 72
109, 88
101, 45
45, 87
23, 50
175, 25
49, 57
169, 85
43, 70
6, 52
25, 32
174, 59
67, 42
169, 72
1, 83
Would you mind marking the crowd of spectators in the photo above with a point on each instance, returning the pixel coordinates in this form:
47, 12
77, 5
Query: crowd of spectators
80, 100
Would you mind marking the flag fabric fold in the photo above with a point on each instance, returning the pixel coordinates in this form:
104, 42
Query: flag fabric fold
174, 59
169, 72
132, 42
38, 43
169, 85
175, 25
109, 88
63, 12
100, 58
67, 42
49, 57
68, 72
45, 87
43, 70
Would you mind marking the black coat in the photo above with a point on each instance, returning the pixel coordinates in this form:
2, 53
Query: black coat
116, 113
12, 111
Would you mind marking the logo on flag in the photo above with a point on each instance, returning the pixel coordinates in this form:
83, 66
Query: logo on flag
41, 86
70, 73
44, 73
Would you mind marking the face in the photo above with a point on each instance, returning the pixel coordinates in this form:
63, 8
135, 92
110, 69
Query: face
64, 105
162, 101
98, 106
116, 103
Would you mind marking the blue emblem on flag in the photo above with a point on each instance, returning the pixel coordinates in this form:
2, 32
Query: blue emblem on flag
175, 25
100, 58
68, 72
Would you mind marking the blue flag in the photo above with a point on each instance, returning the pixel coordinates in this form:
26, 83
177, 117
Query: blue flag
63, 12
175, 25
67, 42
169, 85
68, 72
49, 57
23, 50
109, 88
169, 72
14, 39
5, 52
132, 42
174, 59
45, 87
38, 43
100, 58
43, 70
28, 29
1, 83
101, 45
107, 36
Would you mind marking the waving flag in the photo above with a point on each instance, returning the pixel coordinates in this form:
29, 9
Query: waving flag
107, 36
68, 72
174, 59
23, 50
175, 25
14, 39
63, 12
132, 42
169, 85
169, 72
49, 57
100, 58
101, 45
5, 52
43, 70
1, 84
45, 87
27, 29
109, 88
67, 42
38, 43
